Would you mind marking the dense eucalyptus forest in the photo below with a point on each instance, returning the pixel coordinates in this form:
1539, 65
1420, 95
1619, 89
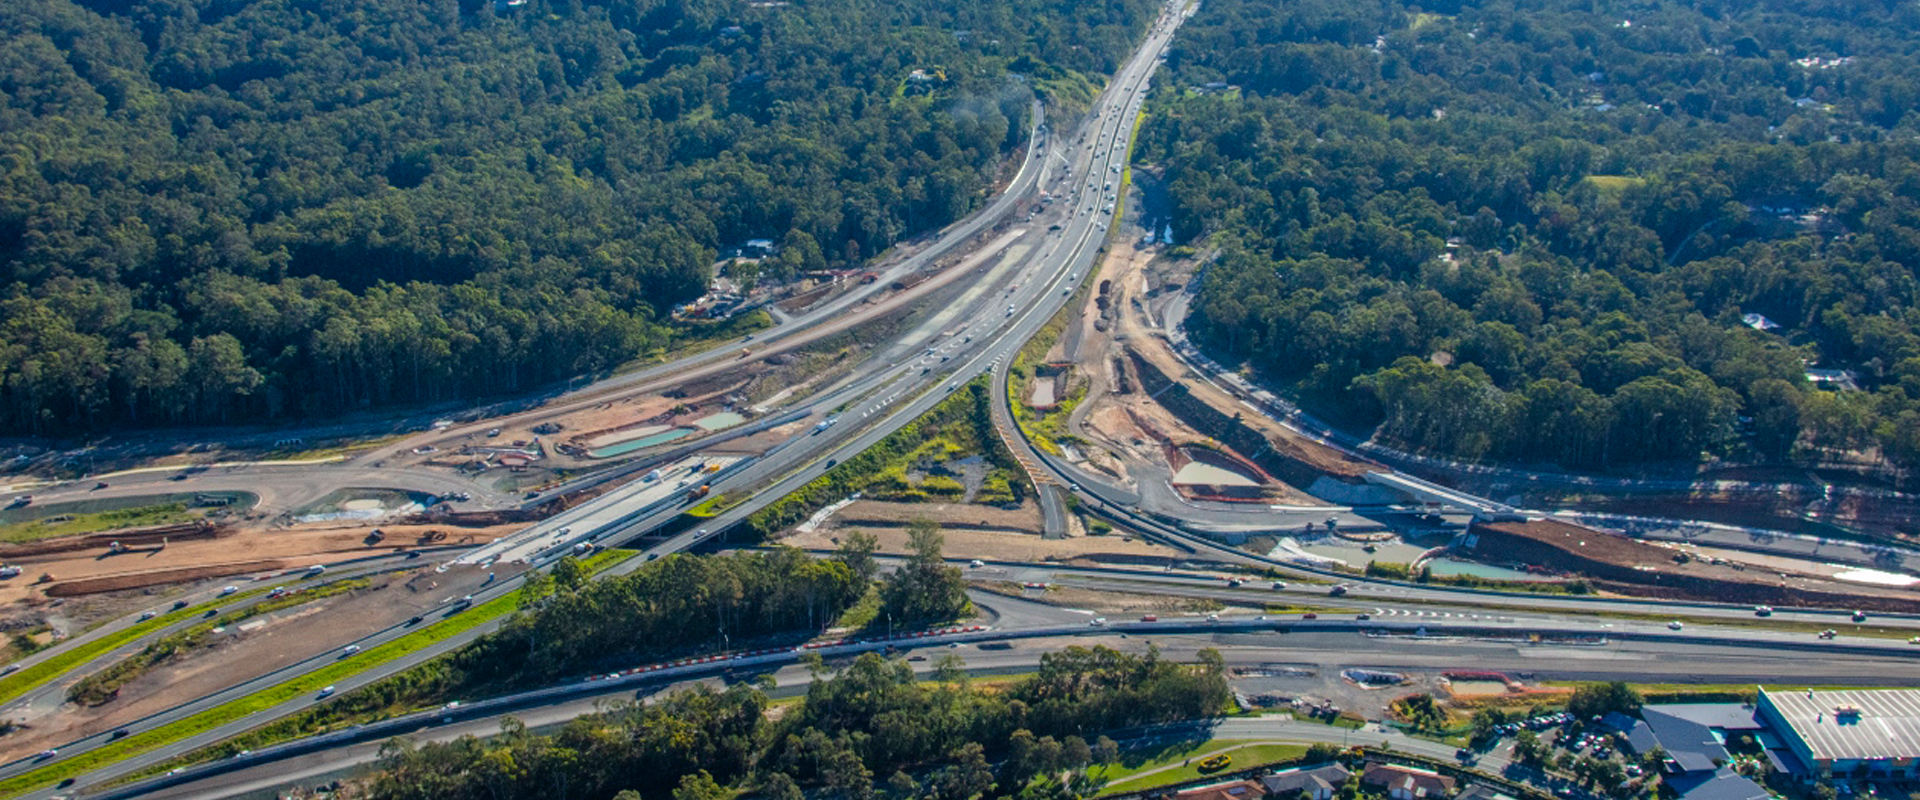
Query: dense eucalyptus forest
1535, 230
222, 210
874, 731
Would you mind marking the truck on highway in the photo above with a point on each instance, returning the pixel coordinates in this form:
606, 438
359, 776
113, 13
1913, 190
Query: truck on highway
699, 492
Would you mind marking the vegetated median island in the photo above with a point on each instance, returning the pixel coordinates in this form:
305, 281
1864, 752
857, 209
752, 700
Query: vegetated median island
958, 426
1598, 235
262, 212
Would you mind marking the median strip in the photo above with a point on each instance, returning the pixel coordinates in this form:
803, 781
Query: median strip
312, 682
262, 700
33, 677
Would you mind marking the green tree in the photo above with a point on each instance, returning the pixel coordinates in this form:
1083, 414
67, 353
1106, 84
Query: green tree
925, 589
856, 551
1599, 699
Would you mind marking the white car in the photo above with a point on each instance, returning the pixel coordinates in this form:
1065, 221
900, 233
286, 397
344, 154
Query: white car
228, 590
976, 563
350, 650
1097, 621
325, 692
1674, 625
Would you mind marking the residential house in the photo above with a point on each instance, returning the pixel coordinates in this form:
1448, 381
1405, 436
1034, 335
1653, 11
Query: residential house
1407, 783
1307, 783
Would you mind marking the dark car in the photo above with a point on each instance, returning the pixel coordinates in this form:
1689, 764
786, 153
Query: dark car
415, 619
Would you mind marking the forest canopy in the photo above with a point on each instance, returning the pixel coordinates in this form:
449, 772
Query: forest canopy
1587, 233
216, 210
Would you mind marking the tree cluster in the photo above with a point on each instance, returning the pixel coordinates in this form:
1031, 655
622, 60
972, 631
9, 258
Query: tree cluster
947, 740
1532, 231
217, 210
1600, 699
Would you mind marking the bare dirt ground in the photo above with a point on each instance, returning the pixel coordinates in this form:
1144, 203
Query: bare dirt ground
1117, 415
298, 546
1121, 603
886, 521
1646, 569
249, 650
951, 516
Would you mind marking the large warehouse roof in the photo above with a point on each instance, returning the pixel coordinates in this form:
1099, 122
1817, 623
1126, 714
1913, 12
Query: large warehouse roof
1853, 724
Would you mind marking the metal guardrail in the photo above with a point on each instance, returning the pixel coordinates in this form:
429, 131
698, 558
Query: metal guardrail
676, 671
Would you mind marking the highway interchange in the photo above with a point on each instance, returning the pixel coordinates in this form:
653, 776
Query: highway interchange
1024, 273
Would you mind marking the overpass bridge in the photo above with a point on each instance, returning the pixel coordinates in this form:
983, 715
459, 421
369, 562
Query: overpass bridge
1430, 492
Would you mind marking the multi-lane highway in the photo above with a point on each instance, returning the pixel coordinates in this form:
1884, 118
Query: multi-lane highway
1037, 272
1565, 653
1022, 277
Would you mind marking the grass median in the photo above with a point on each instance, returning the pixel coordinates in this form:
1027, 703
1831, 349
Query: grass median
305, 723
262, 700
33, 677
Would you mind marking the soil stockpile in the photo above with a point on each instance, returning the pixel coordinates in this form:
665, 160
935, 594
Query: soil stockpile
1634, 567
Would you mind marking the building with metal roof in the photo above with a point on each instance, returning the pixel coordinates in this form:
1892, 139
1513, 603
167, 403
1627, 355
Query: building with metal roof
1867, 733
1689, 745
1721, 784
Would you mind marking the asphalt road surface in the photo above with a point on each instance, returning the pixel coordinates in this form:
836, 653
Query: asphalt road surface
1318, 652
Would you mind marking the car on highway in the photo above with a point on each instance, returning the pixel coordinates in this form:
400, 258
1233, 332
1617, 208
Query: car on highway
349, 650
1363, 616
1763, 611
227, 590
1278, 585
1098, 622
100, 485
21, 501
1675, 625
1149, 618
1309, 615
325, 692
1234, 583
1859, 616
48, 753
976, 563
1337, 591
147, 615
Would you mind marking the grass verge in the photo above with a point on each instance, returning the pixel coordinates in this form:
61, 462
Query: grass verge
64, 524
330, 717
1183, 759
260, 701
33, 677
105, 684
862, 612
